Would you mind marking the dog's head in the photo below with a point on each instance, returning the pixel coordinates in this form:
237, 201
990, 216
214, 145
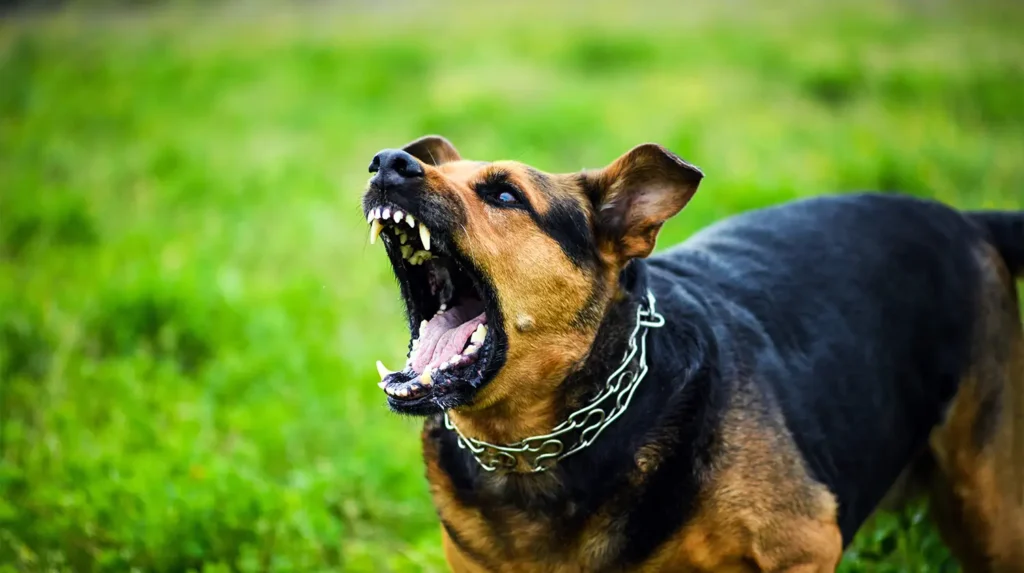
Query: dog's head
507, 271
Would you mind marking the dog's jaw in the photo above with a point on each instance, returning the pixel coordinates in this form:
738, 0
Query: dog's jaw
453, 321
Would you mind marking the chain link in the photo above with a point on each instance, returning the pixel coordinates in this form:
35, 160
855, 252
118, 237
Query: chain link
591, 420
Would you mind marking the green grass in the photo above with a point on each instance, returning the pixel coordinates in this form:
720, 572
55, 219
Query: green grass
189, 309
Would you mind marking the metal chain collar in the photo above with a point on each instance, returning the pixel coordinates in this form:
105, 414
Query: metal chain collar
591, 420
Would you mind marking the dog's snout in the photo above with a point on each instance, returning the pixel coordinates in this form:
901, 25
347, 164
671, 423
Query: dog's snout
394, 167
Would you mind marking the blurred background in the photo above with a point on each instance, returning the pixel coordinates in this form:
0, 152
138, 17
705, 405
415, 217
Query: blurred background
189, 308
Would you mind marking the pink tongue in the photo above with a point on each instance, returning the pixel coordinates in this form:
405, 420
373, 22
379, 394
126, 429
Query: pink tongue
445, 336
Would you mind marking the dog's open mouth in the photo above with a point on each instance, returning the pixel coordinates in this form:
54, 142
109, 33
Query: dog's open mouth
452, 316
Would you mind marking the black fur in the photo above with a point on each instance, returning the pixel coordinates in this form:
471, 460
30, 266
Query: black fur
565, 222
1006, 232
849, 317
676, 403
855, 315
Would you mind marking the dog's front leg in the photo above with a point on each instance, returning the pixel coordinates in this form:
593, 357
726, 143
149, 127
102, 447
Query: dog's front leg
798, 545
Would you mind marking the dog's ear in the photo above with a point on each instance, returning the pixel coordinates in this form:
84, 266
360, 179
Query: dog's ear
432, 150
636, 194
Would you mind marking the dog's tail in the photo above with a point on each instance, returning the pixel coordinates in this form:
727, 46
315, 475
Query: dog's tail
1006, 233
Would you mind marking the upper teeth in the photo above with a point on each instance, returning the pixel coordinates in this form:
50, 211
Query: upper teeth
425, 236
381, 216
375, 229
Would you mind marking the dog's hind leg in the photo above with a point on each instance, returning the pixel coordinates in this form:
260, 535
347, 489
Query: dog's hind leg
978, 488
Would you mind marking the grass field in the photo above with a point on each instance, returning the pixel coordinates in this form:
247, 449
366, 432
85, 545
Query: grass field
190, 312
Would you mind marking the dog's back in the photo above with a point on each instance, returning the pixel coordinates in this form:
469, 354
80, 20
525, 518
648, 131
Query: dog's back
919, 305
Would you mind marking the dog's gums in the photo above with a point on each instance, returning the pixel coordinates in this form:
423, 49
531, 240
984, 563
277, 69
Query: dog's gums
450, 339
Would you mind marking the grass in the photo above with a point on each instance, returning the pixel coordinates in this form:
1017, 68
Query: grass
189, 310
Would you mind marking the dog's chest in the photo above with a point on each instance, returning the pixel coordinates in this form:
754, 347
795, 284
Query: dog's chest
516, 523
755, 509
504, 538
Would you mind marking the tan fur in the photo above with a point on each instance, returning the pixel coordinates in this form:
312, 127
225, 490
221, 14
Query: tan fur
458, 561
542, 295
761, 511
472, 528
667, 189
539, 297
758, 509
978, 491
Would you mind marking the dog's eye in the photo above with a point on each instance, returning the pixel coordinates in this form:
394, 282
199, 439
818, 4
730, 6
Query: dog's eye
500, 195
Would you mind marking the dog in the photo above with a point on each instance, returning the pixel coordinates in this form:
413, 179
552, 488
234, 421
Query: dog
743, 401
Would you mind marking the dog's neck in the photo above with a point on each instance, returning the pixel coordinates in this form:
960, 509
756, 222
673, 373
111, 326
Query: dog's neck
511, 420
547, 512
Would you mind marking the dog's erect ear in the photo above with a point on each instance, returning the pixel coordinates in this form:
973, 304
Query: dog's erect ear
636, 194
432, 150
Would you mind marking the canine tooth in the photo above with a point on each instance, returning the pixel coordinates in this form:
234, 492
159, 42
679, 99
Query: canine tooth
410, 220
425, 236
382, 384
386, 214
398, 216
479, 334
406, 251
382, 370
375, 229
425, 379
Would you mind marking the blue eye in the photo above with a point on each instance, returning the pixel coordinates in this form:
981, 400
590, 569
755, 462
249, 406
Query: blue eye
500, 193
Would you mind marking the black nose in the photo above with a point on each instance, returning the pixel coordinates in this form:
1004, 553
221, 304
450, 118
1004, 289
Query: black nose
394, 167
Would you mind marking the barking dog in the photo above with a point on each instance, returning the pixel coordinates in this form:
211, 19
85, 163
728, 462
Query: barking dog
741, 402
